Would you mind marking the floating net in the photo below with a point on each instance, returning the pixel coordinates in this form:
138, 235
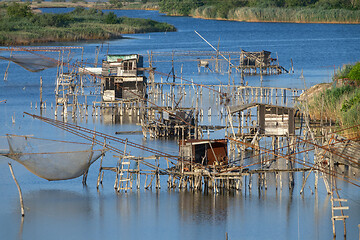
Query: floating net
52, 159
32, 63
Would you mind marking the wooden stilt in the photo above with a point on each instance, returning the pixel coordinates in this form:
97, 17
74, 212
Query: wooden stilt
19, 189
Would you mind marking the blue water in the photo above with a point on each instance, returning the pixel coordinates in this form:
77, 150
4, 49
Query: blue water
67, 210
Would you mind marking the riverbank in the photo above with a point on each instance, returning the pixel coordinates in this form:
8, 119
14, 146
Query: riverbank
20, 26
245, 14
97, 5
295, 11
339, 100
291, 15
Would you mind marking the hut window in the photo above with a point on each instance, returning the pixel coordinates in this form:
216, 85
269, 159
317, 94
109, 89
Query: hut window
109, 84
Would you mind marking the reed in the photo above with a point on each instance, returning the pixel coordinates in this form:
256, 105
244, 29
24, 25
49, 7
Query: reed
340, 103
276, 14
145, 6
81, 24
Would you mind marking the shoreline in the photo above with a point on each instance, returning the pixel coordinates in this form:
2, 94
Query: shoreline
105, 6
75, 26
274, 21
48, 41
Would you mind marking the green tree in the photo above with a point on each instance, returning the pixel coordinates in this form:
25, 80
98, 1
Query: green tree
265, 3
354, 74
116, 3
182, 7
19, 10
111, 18
79, 10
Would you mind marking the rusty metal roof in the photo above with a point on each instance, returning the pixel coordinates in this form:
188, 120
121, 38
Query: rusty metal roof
239, 108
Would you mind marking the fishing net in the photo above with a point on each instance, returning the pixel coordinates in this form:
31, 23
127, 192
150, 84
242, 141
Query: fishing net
32, 63
52, 159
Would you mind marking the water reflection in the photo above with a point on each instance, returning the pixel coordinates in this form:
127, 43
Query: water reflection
201, 208
20, 235
52, 209
108, 118
57, 203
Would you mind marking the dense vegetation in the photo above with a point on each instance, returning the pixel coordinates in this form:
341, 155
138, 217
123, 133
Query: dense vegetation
267, 10
19, 25
109, 4
342, 102
350, 73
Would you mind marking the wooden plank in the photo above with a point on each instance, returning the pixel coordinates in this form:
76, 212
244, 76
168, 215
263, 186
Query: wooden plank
124, 180
340, 200
339, 218
341, 208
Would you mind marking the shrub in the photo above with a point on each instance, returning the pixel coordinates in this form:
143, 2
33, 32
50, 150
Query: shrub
333, 95
343, 71
52, 20
116, 3
80, 24
79, 10
354, 73
19, 10
111, 18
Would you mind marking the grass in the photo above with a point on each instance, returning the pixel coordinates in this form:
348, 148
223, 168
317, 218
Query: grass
276, 14
80, 24
143, 6
314, 13
338, 103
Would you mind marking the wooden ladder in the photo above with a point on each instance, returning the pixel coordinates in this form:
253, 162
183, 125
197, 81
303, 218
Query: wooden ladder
337, 211
124, 182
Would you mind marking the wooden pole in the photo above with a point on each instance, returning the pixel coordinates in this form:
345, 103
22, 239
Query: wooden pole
7, 68
41, 86
100, 168
19, 189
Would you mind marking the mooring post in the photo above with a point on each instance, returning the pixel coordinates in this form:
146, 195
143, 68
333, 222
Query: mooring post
250, 181
41, 100
100, 168
19, 189
138, 175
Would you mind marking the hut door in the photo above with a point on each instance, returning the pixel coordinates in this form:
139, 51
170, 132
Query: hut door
109, 84
200, 152
118, 90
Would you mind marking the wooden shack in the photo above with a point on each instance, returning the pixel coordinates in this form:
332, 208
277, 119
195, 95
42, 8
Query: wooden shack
258, 59
271, 120
123, 77
259, 62
168, 122
204, 151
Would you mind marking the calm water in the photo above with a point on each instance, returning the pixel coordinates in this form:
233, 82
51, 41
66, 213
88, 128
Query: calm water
67, 210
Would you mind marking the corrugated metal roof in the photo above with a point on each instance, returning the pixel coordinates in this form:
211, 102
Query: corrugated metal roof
116, 57
202, 141
239, 108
